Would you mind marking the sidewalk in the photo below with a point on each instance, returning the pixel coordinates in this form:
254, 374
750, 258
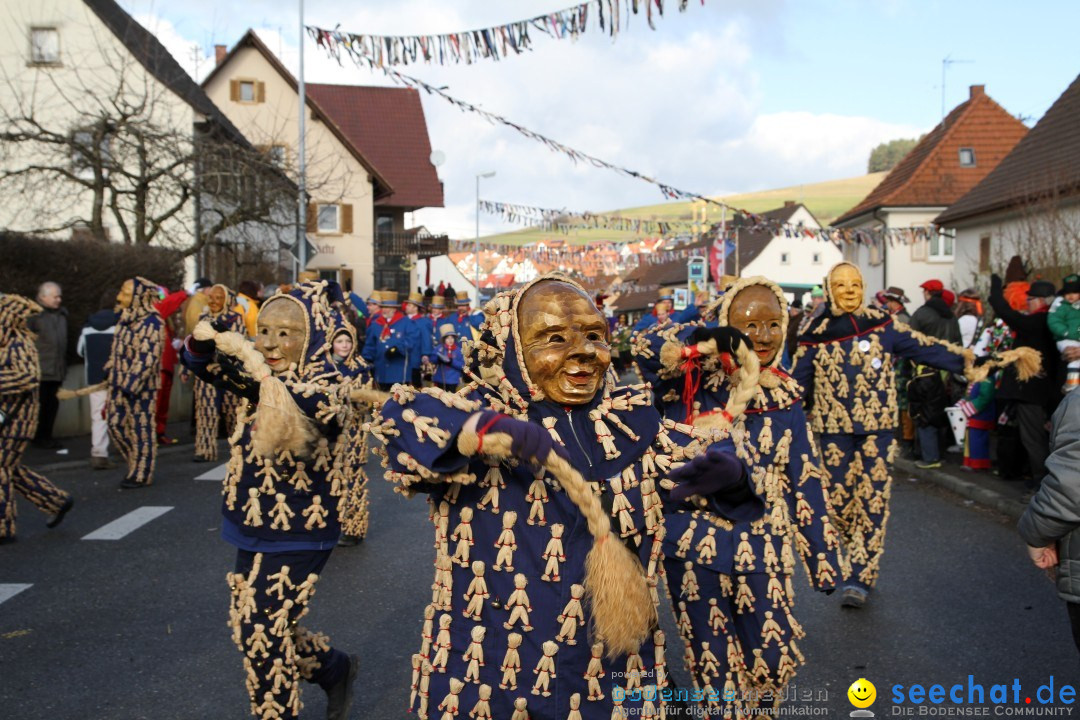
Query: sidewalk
982, 487
78, 450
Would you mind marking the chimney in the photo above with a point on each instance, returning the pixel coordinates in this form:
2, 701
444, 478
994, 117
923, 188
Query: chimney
789, 203
220, 51
977, 91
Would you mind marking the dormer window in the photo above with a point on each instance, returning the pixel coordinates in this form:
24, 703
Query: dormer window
967, 157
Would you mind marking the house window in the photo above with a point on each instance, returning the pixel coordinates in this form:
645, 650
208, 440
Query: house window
984, 254
247, 91
328, 219
44, 46
941, 248
785, 258
967, 157
817, 258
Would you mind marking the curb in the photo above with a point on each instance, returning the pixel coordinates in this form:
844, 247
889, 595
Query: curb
84, 463
964, 488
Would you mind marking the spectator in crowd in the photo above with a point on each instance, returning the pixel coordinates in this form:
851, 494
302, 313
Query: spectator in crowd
814, 309
247, 295
167, 307
795, 313
935, 318
1051, 522
95, 345
1031, 401
896, 304
969, 316
926, 404
1064, 322
51, 342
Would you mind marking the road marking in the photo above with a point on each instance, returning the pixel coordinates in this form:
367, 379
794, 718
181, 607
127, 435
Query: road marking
10, 590
121, 526
217, 474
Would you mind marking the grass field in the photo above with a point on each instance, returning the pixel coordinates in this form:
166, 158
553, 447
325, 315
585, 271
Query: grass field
826, 200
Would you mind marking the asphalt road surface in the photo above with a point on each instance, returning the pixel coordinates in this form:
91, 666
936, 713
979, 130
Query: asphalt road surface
134, 627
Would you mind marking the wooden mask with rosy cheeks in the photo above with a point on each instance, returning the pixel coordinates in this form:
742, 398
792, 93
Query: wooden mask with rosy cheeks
281, 334
564, 342
126, 295
215, 299
757, 313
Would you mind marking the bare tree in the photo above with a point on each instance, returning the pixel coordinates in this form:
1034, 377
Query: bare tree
1046, 235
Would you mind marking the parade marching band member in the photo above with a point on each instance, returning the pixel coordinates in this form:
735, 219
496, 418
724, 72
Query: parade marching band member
560, 630
738, 622
661, 310
389, 343
439, 317
280, 503
20, 380
133, 377
449, 361
465, 321
422, 349
845, 364
213, 405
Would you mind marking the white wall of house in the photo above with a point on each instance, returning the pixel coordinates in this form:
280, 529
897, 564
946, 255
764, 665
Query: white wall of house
985, 244
801, 260
443, 270
335, 176
902, 265
91, 66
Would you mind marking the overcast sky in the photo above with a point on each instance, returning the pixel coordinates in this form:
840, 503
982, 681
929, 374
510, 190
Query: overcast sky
730, 96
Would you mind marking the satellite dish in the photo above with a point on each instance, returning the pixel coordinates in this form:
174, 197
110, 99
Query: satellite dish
438, 157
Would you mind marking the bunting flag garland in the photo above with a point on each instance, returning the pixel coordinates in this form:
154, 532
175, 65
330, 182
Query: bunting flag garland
492, 43
564, 221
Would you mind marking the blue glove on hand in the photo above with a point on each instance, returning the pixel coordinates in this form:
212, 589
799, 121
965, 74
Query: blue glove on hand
199, 347
718, 475
527, 441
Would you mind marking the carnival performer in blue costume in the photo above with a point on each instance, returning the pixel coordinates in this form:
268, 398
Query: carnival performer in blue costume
449, 360
213, 404
731, 583
281, 499
133, 377
351, 453
845, 364
543, 604
422, 352
389, 343
20, 379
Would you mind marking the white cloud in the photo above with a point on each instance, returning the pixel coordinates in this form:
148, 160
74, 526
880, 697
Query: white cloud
681, 104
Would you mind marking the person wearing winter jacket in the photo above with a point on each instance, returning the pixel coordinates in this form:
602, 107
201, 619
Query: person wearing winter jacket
450, 363
51, 328
1064, 323
935, 318
95, 345
1051, 524
926, 403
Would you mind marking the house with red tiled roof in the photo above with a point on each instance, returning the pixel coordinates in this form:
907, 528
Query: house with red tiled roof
367, 156
946, 163
1029, 204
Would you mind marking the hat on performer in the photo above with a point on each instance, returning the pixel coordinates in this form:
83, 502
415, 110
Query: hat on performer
388, 298
667, 293
416, 299
463, 301
438, 302
446, 330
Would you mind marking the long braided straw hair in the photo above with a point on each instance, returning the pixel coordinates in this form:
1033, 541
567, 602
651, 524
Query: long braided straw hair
623, 613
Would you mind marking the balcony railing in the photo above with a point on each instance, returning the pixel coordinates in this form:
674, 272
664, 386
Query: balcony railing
423, 245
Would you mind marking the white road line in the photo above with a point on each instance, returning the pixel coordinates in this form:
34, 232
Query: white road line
121, 526
10, 590
217, 474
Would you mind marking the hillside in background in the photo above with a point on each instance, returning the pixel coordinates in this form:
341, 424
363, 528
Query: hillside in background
826, 200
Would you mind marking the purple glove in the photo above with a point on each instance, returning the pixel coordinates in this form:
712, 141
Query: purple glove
718, 475
527, 441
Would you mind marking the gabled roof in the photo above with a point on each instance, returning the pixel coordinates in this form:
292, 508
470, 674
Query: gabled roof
381, 186
153, 56
930, 175
388, 126
1045, 162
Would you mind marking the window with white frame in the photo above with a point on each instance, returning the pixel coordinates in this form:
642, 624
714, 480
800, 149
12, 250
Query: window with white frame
247, 91
940, 247
44, 46
967, 157
329, 219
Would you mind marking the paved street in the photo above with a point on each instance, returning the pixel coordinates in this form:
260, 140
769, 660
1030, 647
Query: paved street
134, 627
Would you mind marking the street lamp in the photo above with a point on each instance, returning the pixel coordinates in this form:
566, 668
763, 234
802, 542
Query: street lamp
477, 248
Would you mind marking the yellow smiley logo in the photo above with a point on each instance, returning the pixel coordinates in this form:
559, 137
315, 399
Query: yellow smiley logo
862, 693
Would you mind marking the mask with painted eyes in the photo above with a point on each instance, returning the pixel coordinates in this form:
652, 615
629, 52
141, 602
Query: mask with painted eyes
846, 288
124, 297
215, 299
756, 311
564, 342
281, 334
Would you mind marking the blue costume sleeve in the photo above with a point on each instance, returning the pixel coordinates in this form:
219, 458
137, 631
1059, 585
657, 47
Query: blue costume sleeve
411, 453
802, 369
908, 344
370, 341
690, 313
151, 343
18, 376
646, 321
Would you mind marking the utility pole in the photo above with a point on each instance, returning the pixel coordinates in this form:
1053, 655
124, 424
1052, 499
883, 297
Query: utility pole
476, 247
945, 63
301, 241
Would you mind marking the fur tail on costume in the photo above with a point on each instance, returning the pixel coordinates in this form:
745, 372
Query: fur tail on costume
369, 396
623, 612
65, 394
281, 424
1027, 361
